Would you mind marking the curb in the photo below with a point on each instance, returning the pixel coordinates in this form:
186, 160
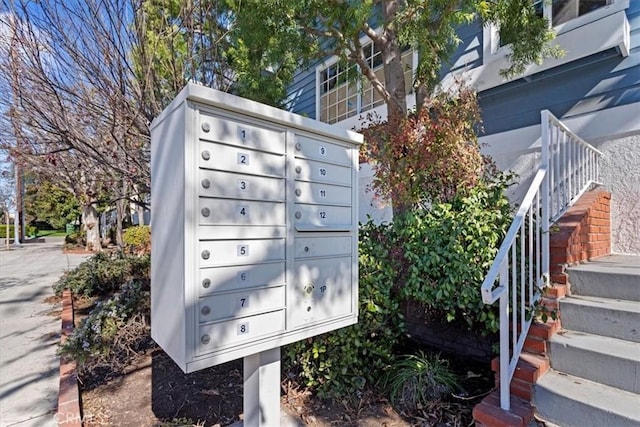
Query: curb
68, 414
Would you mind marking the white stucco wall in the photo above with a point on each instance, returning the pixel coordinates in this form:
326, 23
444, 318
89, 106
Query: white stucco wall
620, 173
616, 132
370, 205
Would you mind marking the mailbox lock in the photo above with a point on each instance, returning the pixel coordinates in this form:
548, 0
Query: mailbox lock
206, 254
308, 308
205, 311
306, 249
298, 215
308, 288
206, 155
205, 211
206, 183
298, 146
298, 169
206, 127
206, 339
298, 192
206, 283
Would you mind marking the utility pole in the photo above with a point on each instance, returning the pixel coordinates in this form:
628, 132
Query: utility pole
16, 219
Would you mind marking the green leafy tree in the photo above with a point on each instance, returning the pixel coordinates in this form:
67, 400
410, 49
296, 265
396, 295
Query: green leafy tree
410, 153
291, 33
47, 202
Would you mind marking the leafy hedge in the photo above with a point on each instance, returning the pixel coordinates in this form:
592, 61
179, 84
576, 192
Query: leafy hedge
345, 361
104, 273
448, 249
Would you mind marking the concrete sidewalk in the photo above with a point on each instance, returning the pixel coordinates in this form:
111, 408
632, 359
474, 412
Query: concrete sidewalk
30, 332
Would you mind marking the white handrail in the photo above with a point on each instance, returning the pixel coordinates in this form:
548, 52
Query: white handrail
568, 168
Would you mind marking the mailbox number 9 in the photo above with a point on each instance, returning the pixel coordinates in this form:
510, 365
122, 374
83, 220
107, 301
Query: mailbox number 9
323, 151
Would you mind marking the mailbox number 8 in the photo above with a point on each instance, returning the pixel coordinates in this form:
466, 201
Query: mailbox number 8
243, 328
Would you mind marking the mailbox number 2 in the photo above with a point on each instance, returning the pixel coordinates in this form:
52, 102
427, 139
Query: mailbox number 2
243, 159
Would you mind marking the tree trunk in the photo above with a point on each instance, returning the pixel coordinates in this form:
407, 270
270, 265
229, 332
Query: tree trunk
91, 227
6, 217
393, 69
121, 206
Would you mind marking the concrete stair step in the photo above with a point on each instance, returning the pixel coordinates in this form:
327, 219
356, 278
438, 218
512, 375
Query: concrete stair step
614, 276
606, 360
569, 401
601, 316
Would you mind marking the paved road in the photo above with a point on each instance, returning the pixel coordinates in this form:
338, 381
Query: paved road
29, 332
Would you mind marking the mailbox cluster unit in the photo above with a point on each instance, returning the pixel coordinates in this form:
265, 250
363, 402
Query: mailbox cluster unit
254, 228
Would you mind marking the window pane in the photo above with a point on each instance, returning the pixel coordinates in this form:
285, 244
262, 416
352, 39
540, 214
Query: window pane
565, 10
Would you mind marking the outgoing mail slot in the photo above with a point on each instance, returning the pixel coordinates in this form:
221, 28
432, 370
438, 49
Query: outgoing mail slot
216, 336
321, 291
236, 133
236, 186
240, 252
225, 279
322, 215
307, 170
240, 212
317, 149
240, 304
305, 247
240, 160
324, 194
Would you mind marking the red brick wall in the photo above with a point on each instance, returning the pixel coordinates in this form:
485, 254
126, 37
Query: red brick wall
582, 233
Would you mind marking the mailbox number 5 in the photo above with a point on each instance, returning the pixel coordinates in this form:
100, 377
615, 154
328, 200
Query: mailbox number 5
243, 250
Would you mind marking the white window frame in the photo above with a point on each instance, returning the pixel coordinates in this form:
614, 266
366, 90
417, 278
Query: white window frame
491, 39
353, 120
594, 32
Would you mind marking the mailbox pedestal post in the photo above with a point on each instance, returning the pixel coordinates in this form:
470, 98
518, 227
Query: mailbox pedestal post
261, 394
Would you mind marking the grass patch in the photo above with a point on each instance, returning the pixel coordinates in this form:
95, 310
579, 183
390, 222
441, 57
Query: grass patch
51, 233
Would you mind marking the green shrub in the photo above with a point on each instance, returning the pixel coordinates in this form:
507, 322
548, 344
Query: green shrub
415, 380
77, 238
137, 239
31, 230
3, 231
105, 328
447, 251
343, 362
104, 273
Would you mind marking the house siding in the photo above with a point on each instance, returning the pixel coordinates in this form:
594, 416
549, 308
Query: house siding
301, 94
600, 81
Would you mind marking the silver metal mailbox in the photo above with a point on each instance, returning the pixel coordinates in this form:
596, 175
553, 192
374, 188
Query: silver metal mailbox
254, 229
